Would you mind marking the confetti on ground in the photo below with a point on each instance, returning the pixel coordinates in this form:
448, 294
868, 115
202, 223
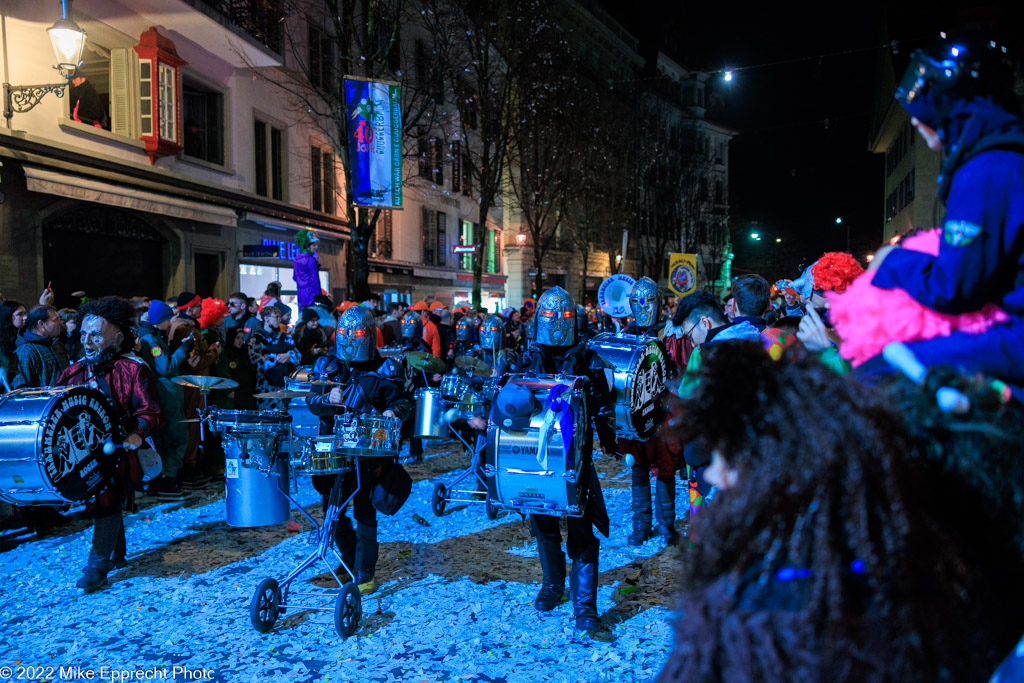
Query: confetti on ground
454, 600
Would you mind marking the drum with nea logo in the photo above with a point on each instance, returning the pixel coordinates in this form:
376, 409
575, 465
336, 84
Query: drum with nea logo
51, 445
636, 369
534, 463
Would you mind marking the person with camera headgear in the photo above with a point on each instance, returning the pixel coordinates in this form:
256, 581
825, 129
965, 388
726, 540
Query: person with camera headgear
109, 366
961, 98
369, 384
556, 350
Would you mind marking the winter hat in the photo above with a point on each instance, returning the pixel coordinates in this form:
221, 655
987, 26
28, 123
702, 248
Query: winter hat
309, 314
187, 300
159, 312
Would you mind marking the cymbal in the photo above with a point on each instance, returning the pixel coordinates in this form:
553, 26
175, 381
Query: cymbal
428, 362
392, 351
284, 393
322, 383
479, 367
203, 383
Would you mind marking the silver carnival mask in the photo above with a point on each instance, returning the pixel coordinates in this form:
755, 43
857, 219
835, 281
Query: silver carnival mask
645, 302
492, 333
412, 328
556, 318
465, 330
356, 337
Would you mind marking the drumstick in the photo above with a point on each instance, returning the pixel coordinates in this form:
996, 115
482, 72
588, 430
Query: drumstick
109, 447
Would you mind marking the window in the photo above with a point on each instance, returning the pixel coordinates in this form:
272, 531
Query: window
423, 157
380, 241
466, 238
321, 65
430, 159
438, 170
89, 94
493, 264
428, 230
203, 113
467, 174
442, 239
168, 89
268, 150
322, 179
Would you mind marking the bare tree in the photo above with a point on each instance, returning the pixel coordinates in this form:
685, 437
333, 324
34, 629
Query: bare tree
327, 40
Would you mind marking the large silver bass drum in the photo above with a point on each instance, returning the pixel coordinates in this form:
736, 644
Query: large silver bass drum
636, 369
51, 445
536, 466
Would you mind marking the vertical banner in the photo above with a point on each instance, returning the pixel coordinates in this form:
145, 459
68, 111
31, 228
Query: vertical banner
374, 114
682, 273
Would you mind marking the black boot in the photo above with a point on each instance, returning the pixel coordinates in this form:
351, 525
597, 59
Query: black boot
105, 535
120, 548
583, 586
641, 506
665, 511
552, 565
345, 542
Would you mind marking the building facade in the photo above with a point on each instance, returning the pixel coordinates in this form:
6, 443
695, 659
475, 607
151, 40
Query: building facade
166, 164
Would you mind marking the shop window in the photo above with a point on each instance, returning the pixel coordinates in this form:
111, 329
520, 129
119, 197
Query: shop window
268, 152
493, 264
203, 115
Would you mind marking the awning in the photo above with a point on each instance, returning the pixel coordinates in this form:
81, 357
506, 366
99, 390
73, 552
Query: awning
101, 192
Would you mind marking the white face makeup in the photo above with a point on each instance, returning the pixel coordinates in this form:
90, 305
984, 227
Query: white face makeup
98, 335
719, 473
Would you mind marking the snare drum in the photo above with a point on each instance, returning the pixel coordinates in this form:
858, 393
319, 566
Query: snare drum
527, 475
320, 457
364, 435
429, 421
244, 422
51, 445
454, 387
304, 423
636, 369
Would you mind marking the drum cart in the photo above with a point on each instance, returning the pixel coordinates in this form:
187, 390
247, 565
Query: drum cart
443, 495
272, 598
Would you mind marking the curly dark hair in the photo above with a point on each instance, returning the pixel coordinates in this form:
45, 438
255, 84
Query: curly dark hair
118, 312
847, 551
8, 333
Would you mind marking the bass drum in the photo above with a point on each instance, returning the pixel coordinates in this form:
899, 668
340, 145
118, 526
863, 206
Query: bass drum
538, 469
51, 445
636, 369
304, 423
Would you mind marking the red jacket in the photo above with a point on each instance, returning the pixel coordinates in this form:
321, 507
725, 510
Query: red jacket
133, 387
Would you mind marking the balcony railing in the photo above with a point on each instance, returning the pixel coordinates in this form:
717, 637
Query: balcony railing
263, 20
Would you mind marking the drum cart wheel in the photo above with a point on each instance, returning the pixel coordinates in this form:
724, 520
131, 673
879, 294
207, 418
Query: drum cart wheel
348, 610
490, 510
263, 609
439, 500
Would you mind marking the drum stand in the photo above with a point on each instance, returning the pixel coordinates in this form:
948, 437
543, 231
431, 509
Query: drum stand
443, 495
271, 598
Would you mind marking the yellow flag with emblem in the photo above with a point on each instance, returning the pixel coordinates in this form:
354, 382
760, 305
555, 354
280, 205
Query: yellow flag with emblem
682, 273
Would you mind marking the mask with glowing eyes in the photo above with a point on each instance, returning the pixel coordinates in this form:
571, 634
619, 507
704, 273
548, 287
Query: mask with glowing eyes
645, 302
356, 337
412, 328
556, 318
465, 330
492, 333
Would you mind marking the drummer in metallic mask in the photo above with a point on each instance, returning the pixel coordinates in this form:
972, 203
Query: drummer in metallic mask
108, 339
556, 350
656, 454
369, 384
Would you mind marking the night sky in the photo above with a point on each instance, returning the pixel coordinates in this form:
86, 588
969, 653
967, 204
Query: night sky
800, 159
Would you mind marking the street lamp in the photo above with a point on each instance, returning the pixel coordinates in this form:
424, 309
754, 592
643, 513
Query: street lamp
521, 237
68, 40
839, 221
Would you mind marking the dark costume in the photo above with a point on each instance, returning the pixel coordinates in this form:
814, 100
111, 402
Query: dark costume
270, 375
40, 360
369, 386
